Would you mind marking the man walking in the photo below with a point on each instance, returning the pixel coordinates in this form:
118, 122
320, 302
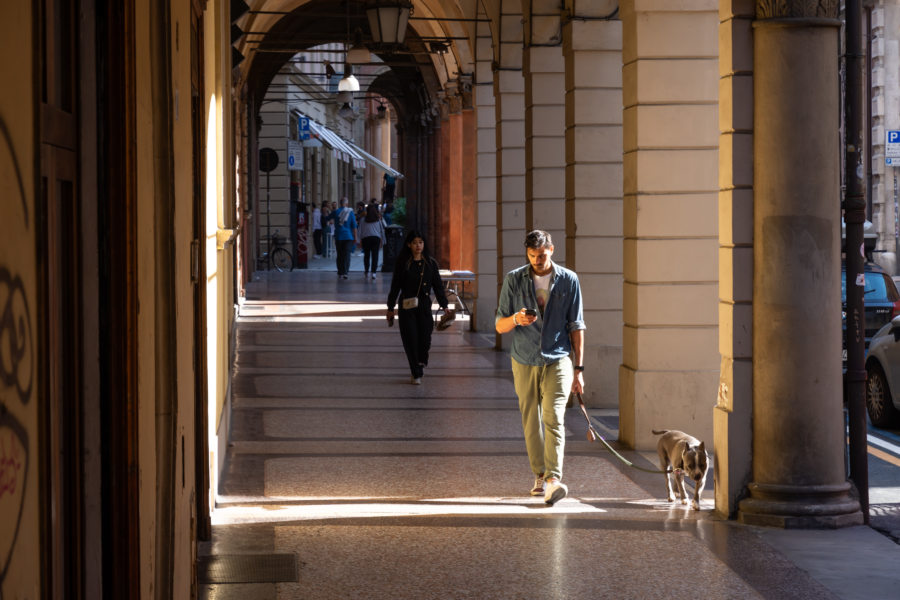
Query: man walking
541, 304
344, 236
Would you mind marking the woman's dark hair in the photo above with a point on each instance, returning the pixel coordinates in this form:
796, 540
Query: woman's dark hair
406, 254
372, 213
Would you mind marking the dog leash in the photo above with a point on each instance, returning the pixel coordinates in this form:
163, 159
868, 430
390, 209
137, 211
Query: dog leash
593, 436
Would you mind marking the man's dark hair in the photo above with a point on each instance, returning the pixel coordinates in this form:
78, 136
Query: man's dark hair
537, 239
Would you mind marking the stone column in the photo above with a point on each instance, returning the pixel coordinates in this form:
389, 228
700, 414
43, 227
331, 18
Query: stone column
592, 51
545, 124
732, 436
798, 425
469, 241
670, 366
486, 179
885, 116
454, 126
509, 96
444, 190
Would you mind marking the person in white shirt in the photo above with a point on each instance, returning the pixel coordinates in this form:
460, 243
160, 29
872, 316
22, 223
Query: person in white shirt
317, 231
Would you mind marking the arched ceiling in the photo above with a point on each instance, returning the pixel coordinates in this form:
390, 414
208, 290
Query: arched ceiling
275, 30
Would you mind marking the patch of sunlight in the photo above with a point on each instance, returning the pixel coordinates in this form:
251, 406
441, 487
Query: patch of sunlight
884, 495
311, 303
313, 312
662, 504
230, 515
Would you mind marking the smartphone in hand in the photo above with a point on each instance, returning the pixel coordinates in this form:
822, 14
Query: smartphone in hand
530, 312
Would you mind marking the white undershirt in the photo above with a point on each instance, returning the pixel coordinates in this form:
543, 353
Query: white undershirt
542, 289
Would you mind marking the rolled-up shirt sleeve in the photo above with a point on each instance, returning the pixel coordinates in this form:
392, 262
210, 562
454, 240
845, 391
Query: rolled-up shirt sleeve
575, 314
504, 302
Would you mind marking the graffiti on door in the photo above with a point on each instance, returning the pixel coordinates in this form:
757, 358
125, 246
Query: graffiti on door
17, 365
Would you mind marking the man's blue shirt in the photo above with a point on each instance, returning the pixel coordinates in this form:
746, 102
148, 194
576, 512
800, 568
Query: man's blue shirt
343, 231
547, 339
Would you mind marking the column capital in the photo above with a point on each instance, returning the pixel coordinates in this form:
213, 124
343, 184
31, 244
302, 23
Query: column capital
543, 23
465, 90
606, 9
452, 101
796, 9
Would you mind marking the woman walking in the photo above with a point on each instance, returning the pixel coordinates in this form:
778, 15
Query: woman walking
371, 231
415, 276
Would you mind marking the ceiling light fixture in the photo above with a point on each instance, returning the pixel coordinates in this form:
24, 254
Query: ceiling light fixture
387, 21
438, 47
348, 82
358, 53
346, 111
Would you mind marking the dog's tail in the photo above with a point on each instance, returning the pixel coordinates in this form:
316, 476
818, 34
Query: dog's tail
659, 432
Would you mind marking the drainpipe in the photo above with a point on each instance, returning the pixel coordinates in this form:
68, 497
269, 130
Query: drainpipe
854, 216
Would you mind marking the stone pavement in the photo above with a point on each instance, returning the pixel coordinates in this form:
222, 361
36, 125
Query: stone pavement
345, 481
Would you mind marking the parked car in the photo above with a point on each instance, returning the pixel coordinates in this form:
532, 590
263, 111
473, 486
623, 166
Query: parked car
883, 376
882, 302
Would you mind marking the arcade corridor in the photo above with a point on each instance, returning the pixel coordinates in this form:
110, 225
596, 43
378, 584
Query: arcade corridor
343, 481
165, 400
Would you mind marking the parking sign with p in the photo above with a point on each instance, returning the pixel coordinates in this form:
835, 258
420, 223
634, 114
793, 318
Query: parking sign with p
892, 148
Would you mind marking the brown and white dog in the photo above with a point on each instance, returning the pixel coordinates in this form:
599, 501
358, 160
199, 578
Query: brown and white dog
685, 455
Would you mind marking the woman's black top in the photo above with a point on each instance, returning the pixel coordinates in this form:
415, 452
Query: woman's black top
405, 282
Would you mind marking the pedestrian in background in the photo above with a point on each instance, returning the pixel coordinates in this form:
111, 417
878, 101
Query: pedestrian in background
387, 189
360, 215
317, 230
344, 236
328, 207
416, 275
371, 232
541, 304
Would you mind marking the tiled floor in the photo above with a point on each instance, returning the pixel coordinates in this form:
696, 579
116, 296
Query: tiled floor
382, 489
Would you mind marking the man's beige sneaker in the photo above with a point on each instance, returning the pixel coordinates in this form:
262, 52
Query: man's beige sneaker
554, 491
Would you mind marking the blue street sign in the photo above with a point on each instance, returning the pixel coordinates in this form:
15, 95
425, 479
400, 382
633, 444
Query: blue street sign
892, 148
304, 128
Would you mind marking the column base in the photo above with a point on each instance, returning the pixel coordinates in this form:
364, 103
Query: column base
800, 507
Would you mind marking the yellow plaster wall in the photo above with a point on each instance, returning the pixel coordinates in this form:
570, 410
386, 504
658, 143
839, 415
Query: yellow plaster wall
147, 296
185, 513
219, 199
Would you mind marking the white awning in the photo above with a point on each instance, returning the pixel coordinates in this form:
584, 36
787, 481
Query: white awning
349, 151
378, 164
345, 148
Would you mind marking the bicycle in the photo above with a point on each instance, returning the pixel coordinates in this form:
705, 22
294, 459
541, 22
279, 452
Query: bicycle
279, 258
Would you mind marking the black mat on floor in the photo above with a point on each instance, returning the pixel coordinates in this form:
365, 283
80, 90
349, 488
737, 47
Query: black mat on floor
247, 568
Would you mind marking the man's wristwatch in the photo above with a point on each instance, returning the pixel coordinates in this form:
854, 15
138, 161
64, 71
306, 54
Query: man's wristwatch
579, 368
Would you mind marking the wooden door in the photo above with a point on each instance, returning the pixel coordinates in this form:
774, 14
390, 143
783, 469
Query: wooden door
117, 297
198, 276
59, 249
